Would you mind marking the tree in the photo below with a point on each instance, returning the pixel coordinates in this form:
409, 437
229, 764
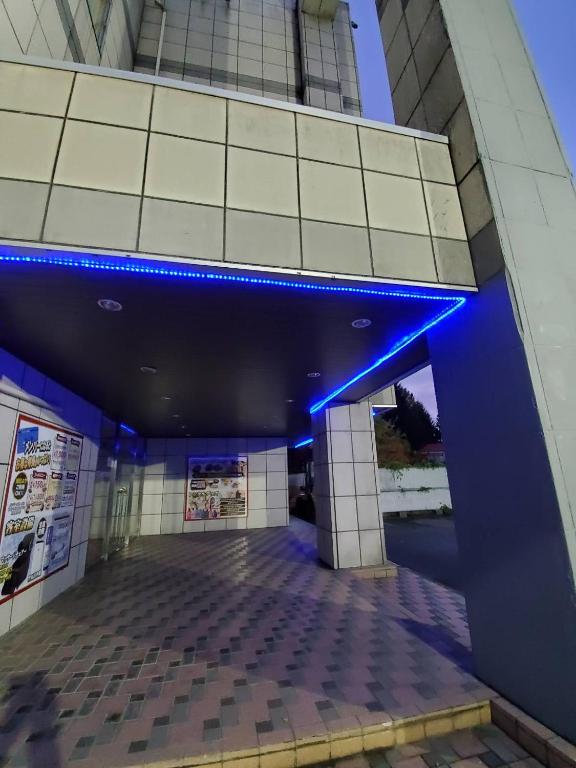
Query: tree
392, 448
411, 419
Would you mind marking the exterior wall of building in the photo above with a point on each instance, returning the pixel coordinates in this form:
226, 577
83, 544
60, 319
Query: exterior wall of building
121, 36
262, 47
63, 30
126, 165
427, 94
330, 76
55, 404
165, 483
504, 370
250, 47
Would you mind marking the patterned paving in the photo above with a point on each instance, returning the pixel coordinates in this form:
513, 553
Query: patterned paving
482, 747
224, 641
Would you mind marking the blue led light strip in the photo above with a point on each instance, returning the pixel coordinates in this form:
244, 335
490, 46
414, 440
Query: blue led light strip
396, 348
126, 428
123, 264
302, 443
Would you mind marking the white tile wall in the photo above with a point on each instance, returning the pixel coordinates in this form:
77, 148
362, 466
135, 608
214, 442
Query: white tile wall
191, 115
253, 182
396, 203
115, 160
116, 101
184, 169
327, 140
165, 483
348, 516
444, 211
331, 193
73, 413
35, 89
388, 152
255, 127
28, 145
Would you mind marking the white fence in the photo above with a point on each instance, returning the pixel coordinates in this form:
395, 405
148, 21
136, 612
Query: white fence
403, 492
410, 491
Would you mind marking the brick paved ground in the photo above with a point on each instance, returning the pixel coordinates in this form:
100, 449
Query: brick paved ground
482, 747
223, 641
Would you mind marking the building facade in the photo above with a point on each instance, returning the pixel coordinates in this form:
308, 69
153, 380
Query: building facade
208, 256
268, 48
203, 205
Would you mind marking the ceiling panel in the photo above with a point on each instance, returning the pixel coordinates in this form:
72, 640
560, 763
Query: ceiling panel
230, 353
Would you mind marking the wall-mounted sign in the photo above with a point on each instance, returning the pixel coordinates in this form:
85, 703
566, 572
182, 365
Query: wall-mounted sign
216, 487
38, 506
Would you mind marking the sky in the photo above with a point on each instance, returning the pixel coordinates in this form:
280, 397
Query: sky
549, 28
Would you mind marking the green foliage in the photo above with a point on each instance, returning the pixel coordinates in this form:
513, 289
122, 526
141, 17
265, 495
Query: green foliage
392, 448
394, 451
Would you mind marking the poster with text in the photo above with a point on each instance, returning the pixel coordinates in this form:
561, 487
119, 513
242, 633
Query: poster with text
38, 506
216, 487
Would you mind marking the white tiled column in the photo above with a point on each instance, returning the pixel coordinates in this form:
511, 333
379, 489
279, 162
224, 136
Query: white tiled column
346, 493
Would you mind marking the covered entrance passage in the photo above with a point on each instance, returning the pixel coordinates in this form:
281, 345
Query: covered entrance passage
232, 352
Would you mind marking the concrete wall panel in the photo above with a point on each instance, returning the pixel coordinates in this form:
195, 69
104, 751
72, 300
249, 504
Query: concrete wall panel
122, 159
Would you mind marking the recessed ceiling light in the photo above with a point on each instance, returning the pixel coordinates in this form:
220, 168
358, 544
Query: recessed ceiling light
188, 434
110, 305
149, 369
184, 426
289, 401
362, 322
175, 415
313, 375
165, 397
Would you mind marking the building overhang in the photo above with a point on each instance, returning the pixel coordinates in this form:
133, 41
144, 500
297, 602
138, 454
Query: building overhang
234, 348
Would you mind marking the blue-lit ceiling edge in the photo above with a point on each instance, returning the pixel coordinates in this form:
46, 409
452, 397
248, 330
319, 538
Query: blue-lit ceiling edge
405, 341
303, 443
161, 269
457, 303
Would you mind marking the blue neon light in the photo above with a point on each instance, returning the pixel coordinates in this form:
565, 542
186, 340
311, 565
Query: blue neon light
134, 266
123, 264
395, 349
129, 430
302, 443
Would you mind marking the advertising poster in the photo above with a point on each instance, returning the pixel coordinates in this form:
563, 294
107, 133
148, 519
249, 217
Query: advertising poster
38, 506
216, 487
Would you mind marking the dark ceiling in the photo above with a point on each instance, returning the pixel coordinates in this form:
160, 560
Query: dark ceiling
229, 355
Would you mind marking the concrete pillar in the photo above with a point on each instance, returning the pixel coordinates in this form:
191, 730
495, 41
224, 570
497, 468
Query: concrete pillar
506, 488
346, 488
505, 366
